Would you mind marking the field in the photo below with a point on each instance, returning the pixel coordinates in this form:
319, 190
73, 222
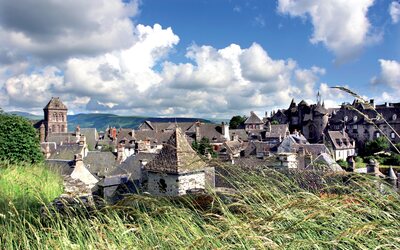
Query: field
268, 210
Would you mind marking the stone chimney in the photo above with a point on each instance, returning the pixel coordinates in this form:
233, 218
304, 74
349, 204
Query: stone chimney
78, 131
269, 126
372, 103
225, 131
42, 133
82, 140
197, 131
121, 157
78, 161
82, 173
373, 168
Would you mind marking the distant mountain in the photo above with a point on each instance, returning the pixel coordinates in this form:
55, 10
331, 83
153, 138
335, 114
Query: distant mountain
102, 121
26, 115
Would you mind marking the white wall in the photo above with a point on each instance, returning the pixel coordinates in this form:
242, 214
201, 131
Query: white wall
175, 184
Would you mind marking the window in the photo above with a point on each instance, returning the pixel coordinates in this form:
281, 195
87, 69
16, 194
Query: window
392, 135
346, 118
355, 127
394, 117
377, 135
355, 118
162, 185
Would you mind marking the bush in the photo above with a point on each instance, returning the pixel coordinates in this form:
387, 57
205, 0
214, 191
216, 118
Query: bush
394, 159
19, 141
342, 163
377, 145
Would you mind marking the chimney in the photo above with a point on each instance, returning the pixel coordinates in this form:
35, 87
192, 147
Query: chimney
42, 132
225, 131
133, 133
82, 140
121, 157
197, 130
78, 131
372, 103
78, 161
114, 134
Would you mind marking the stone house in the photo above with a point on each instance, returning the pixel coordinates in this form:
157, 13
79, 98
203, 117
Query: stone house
177, 169
341, 144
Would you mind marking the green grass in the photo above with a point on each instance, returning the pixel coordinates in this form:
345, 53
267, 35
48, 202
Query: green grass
269, 210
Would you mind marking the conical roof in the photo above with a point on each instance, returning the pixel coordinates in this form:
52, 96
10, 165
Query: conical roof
55, 103
176, 156
253, 119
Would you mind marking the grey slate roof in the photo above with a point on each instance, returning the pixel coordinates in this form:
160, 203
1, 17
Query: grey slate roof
91, 136
63, 167
176, 156
62, 138
132, 166
66, 151
55, 103
241, 133
100, 163
253, 119
278, 130
340, 140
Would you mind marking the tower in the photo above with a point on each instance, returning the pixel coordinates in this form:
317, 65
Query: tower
55, 117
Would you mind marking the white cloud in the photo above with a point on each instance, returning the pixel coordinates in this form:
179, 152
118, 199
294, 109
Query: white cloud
341, 25
394, 10
390, 74
54, 30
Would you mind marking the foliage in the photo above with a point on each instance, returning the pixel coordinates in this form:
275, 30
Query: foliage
342, 163
19, 141
107, 148
203, 147
393, 159
274, 122
268, 210
237, 121
377, 145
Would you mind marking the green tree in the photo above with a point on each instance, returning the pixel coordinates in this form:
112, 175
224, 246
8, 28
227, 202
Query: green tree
236, 121
377, 145
19, 141
274, 122
203, 147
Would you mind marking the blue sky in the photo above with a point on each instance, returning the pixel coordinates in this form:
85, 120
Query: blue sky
207, 58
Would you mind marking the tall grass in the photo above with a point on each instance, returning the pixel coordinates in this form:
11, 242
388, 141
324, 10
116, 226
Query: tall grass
267, 210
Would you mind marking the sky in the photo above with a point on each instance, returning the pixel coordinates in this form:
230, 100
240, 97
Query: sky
196, 58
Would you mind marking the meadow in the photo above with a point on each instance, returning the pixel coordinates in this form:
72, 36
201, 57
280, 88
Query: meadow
268, 210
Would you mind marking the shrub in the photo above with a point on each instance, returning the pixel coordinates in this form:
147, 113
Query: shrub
377, 145
19, 141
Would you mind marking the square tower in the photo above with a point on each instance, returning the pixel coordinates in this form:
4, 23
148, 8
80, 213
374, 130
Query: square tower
55, 117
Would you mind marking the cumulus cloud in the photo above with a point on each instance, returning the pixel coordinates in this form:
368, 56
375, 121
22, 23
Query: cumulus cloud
341, 25
54, 30
390, 74
394, 11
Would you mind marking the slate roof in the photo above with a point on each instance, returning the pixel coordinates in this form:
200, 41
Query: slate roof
63, 167
277, 130
253, 119
326, 162
233, 147
176, 156
55, 103
162, 126
59, 138
91, 136
152, 136
208, 130
66, 151
100, 163
241, 133
340, 140
314, 149
132, 166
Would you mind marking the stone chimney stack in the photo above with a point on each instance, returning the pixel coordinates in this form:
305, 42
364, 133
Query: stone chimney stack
372, 102
225, 131
42, 133
121, 157
78, 161
269, 126
197, 131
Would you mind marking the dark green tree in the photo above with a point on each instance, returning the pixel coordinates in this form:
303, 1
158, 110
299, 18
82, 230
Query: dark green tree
19, 141
203, 147
274, 122
236, 121
377, 145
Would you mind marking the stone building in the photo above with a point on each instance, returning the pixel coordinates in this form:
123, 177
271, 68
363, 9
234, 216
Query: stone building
341, 144
311, 120
55, 117
362, 129
177, 169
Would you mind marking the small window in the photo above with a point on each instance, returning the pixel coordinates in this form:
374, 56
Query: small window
394, 117
377, 135
346, 118
355, 118
392, 135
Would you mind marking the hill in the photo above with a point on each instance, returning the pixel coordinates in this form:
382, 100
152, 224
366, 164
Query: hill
102, 121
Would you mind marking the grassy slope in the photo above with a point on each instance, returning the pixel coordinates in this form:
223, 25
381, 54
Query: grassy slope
269, 211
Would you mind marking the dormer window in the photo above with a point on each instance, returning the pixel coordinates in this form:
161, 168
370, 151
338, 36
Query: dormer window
394, 117
355, 118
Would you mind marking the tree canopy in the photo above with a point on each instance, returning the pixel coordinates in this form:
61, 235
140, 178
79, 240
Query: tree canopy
203, 147
236, 121
19, 141
377, 145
